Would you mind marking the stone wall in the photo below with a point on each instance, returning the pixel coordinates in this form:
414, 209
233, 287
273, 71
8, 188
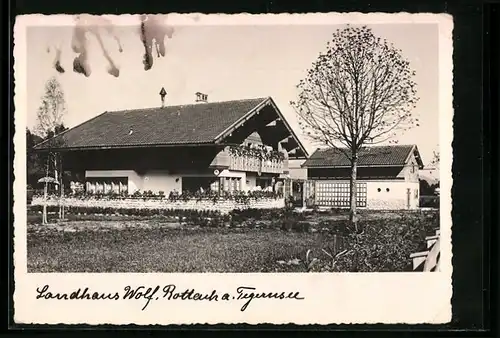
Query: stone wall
392, 195
386, 204
224, 206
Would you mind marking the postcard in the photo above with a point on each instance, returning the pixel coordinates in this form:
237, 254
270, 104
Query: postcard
225, 169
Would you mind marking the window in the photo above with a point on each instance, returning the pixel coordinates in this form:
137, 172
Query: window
379, 190
263, 182
214, 186
196, 184
106, 185
231, 183
99, 187
335, 194
387, 189
123, 187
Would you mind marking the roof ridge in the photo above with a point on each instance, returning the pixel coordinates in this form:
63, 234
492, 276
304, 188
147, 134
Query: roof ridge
110, 128
187, 105
370, 146
389, 154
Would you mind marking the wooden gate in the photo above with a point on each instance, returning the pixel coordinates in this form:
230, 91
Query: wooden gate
309, 195
333, 194
298, 193
287, 187
294, 189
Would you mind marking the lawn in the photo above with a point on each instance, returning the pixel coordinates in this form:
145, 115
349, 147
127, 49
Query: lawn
153, 245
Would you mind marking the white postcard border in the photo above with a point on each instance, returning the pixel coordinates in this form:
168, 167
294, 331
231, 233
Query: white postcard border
329, 298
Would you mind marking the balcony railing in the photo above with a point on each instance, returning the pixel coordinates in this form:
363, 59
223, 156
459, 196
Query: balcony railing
229, 160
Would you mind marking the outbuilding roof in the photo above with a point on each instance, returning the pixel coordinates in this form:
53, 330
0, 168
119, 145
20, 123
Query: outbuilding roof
390, 155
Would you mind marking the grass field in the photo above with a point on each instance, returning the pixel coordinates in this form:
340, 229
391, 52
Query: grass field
150, 245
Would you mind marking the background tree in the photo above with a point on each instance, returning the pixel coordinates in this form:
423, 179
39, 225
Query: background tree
426, 189
360, 91
436, 159
435, 163
34, 161
51, 111
50, 116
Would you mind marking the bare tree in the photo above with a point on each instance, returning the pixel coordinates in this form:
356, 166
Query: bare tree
436, 159
50, 116
51, 112
360, 91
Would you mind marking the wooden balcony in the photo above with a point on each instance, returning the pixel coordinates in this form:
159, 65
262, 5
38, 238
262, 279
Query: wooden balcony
226, 160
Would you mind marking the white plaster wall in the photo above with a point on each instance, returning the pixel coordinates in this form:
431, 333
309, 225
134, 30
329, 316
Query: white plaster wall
296, 171
164, 181
232, 173
415, 197
152, 180
410, 171
395, 198
134, 180
251, 181
161, 181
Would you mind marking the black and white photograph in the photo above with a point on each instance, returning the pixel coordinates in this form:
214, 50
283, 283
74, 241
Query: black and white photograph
279, 160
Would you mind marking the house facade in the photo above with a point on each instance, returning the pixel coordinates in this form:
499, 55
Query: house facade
387, 178
240, 145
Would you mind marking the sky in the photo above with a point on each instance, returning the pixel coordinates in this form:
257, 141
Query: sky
225, 62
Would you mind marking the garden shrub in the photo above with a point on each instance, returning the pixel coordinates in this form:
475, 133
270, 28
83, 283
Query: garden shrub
193, 217
386, 244
338, 211
429, 201
301, 226
286, 225
339, 227
289, 220
258, 214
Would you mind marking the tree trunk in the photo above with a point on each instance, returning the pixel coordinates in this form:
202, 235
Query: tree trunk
45, 193
61, 203
44, 214
352, 193
61, 187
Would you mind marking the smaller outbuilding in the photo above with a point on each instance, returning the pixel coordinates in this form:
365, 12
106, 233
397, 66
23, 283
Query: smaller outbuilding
387, 177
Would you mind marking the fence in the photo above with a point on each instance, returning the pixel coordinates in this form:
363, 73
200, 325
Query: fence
222, 205
333, 194
428, 260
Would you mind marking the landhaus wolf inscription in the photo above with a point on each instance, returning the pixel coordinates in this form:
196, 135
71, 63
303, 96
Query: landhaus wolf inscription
240, 177
168, 292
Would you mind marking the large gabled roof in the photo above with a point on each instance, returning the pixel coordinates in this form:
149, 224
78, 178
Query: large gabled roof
202, 123
391, 155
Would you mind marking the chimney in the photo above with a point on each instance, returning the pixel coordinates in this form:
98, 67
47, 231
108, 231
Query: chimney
163, 93
200, 97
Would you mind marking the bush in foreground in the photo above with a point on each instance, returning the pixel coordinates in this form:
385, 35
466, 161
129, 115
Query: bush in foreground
385, 245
